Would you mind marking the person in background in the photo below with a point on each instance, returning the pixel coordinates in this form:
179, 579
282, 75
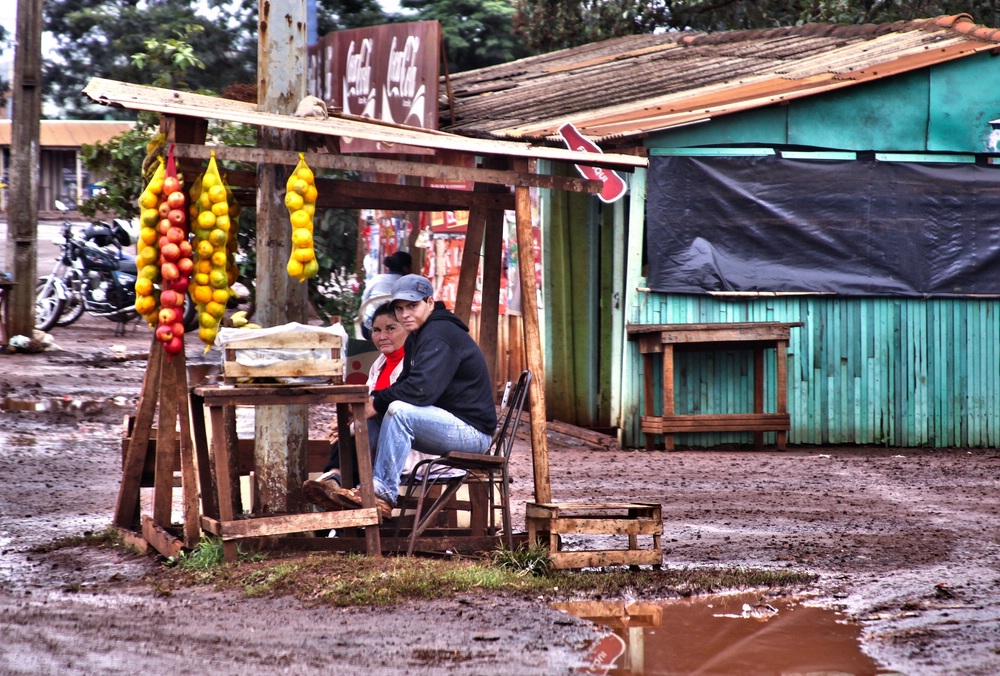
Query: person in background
389, 337
442, 401
396, 265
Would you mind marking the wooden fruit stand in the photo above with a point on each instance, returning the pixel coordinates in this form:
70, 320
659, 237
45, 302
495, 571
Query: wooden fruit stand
502, 173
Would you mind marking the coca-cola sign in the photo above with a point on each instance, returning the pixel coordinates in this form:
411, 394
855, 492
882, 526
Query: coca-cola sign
387, 73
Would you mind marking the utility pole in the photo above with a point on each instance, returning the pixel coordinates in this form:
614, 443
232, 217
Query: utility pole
22, 212
281, 432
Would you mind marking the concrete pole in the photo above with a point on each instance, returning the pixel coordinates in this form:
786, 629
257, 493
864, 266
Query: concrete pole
22, 229
281, 432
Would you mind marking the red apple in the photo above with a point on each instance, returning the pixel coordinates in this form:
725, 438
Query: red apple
176, 235
163, 209
169, 271
162, 242
168, 298
164, 333
185, 247
175, 346
171, 184
180, 285
163, 226
176, 200
178, 328
170, 252
168, 315
177, 217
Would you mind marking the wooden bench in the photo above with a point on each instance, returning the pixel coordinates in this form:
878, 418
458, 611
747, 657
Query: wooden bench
665, 339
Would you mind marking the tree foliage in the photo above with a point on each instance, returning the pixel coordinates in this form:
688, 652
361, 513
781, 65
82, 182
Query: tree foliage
97, 38
477, 33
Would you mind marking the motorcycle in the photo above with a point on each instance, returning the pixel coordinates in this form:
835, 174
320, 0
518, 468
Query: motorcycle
93, 274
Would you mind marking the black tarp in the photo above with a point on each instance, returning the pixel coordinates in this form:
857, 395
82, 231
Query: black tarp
858, 228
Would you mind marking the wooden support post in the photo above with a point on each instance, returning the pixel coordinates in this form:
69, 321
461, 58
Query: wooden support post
532, 339
166, 442
470, 263
280, 432
758, 393
489, 318
127, 508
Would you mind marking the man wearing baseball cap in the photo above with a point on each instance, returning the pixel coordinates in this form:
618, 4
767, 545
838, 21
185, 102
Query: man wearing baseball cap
441, 402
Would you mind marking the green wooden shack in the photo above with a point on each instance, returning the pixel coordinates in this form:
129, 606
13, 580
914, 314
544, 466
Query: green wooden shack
840, 176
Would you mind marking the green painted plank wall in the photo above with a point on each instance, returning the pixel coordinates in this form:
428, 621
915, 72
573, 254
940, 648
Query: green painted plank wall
882, 371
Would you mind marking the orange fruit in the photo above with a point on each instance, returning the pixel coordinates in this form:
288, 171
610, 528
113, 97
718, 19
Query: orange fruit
217, 193
217, 310
207, 335
143, 286
301, 237
203, 266
202, 294
220, 209
201, 278
299, 186
206, 219
220, 258
311, 195
222, 223
300, 219
206, 320
305, 173
148, 235
218, 237
221, 295
205, 249
310, 269
145, 305
148, 255
304, 255
218, 279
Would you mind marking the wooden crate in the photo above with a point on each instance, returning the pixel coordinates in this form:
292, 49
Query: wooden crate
330, 370
546, 522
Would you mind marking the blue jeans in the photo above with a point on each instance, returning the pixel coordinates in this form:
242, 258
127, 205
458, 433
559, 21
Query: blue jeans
426, 428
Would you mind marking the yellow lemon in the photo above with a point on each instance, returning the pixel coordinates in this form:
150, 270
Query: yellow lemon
304, 255
220, 209
222, 223
301, 237
143, 286
148, 200
217, 310
148, 255
202, 294
220, 258
300, 218
293, 201
300, 186
206, 219
148, 235
310, 209
209, 179
310, 269
155, 186
206, 320
294, 268
201, 278
305, 173
217, 193
205, 249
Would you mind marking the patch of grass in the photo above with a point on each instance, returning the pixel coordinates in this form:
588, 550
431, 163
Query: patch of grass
109, 537
529, 559
356, 580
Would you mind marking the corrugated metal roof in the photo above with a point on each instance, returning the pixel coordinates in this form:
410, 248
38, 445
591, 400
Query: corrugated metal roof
633, 85
155, 99
69, 133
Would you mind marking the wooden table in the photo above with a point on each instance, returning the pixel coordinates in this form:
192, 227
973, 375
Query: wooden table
665, 339
221, 499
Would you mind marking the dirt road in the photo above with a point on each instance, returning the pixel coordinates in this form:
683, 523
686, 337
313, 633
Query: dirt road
907, 541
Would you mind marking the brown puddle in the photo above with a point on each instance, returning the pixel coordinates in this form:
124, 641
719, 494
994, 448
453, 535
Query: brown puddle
725, 634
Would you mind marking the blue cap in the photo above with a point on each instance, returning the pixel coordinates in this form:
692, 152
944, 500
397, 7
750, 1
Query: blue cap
412, 288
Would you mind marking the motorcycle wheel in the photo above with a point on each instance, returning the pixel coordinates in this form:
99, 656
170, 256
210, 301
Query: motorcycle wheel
48, 304
73, 305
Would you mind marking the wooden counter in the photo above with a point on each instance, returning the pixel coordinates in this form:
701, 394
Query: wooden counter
665, 339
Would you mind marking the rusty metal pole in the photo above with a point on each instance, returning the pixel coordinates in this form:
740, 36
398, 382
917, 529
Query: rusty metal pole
281, 432
22, 224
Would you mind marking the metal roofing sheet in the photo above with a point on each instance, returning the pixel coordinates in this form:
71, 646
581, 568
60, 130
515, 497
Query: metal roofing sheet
69, 133
633, 85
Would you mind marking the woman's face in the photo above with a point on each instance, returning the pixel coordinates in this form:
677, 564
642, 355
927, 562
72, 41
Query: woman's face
388, 334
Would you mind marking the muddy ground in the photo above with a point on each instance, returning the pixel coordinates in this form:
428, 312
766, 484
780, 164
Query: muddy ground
907, 541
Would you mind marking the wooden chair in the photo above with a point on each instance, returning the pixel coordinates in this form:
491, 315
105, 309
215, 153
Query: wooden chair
484, 467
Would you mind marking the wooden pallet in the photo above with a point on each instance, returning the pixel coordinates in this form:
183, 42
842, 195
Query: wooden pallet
546, 522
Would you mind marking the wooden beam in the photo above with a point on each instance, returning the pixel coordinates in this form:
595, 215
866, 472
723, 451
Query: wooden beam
387, 166
532, 341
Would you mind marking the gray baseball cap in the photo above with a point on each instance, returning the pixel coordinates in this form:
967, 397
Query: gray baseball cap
412, 288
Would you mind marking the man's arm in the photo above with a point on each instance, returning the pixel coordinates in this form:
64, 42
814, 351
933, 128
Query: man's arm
431, 371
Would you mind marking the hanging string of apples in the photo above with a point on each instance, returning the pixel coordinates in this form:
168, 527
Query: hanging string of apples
175, 261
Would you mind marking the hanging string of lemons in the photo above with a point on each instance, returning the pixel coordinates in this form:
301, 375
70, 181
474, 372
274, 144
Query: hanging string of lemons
300, 200
210, 284
147, 301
